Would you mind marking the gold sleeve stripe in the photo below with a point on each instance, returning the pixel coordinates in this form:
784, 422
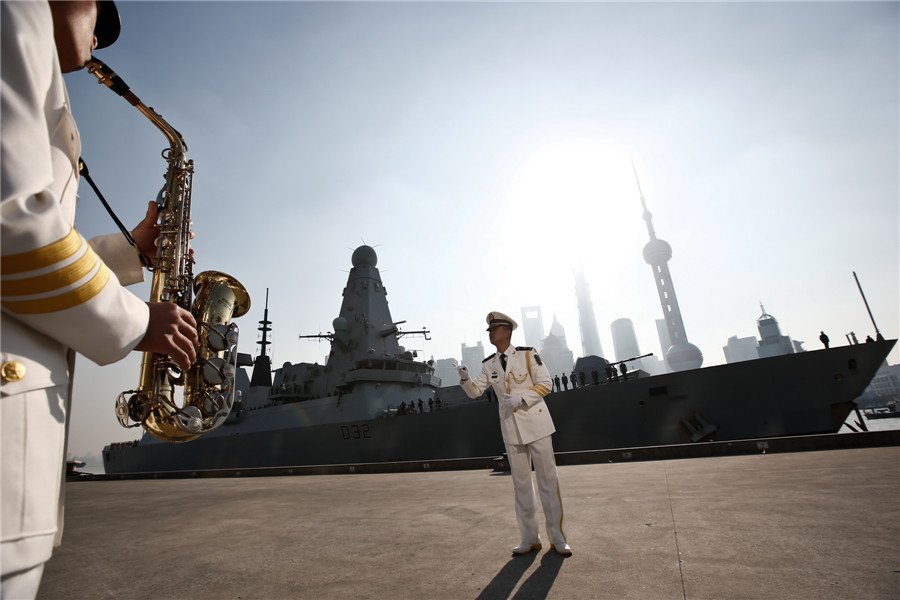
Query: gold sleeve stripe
540, 389
53, 280
42, 257
78, 296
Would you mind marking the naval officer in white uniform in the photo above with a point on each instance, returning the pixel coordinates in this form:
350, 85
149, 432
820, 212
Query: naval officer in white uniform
521, 381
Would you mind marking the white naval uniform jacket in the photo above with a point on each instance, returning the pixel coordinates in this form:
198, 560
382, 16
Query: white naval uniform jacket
58, 295
525, 375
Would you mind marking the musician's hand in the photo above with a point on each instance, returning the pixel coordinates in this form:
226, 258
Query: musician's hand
173, 331
146, 232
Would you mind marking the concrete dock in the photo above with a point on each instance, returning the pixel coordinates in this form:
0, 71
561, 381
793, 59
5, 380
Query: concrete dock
823, 524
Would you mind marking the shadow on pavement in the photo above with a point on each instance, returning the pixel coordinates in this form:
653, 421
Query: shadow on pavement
536, 586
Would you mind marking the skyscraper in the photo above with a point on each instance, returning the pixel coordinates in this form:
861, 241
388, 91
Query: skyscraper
625, 343
590, 337
472, 357
771, 342
445, 370
681, 355
663, 334
555, 351
532, 325
738, 349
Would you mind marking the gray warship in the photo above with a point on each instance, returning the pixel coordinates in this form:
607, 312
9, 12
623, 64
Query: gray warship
363, 404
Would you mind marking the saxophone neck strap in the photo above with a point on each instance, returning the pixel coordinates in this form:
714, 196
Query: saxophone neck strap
82, 168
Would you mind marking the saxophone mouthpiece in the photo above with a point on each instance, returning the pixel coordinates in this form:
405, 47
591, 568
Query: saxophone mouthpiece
107, 76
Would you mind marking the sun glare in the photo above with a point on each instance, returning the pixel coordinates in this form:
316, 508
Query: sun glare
577, 197
572, 205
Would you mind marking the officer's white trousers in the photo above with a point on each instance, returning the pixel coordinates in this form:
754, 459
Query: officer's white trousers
22, 585
521, 457
32, 429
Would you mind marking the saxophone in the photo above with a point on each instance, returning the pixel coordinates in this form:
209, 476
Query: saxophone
217, 299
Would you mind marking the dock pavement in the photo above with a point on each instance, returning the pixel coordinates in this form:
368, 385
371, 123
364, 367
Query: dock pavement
820, 524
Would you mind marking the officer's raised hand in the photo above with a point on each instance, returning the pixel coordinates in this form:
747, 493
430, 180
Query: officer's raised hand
463, 371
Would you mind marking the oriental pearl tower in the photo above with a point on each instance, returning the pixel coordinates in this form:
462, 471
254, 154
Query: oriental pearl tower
681, 355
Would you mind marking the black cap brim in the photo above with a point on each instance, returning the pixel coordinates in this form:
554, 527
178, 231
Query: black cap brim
109, 25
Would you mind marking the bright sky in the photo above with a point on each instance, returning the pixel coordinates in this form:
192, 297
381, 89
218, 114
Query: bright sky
485, 150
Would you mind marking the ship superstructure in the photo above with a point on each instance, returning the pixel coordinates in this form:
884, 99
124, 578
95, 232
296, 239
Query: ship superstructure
366, 360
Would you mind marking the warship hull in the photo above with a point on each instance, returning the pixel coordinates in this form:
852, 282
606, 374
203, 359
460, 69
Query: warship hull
798, 394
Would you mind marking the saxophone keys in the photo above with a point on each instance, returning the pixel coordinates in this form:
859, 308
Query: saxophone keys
221, 337
190, 419
216, 371
122, 410
228, 371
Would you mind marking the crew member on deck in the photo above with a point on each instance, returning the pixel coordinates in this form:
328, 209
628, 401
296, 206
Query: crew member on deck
520, 380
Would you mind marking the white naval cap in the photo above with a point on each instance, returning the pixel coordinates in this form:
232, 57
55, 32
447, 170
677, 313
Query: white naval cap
498, 318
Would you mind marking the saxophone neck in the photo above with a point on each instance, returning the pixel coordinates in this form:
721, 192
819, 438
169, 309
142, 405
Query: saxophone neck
106, 76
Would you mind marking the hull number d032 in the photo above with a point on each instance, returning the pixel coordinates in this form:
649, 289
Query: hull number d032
355, 432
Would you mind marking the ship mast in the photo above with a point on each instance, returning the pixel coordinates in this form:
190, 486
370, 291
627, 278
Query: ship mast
264, 327
262, 366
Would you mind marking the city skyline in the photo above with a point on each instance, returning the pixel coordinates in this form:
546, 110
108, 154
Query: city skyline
639, 349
